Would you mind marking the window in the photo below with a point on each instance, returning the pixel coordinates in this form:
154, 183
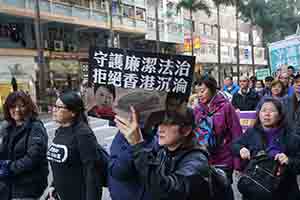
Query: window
203, 50
128, 11
207, 30
187, 25
244, 37
259, 53
140, 14
201, 29
173, 27
161, 3
212, 49
225, 51
115, 8
233, 34
212, 30
235, 51
150, 23
224, 33
161, 26
100, 5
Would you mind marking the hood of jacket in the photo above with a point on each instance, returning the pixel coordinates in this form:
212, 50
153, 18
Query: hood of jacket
204, 110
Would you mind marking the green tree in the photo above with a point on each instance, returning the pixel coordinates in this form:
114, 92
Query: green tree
193, 6
277, 18
253, 11
218, 4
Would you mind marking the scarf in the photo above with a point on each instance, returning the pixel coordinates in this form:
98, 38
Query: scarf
273, 147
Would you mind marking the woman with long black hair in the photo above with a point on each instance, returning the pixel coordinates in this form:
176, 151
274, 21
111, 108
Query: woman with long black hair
73, 153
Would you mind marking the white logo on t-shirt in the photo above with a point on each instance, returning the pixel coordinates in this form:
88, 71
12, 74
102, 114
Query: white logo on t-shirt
57, 153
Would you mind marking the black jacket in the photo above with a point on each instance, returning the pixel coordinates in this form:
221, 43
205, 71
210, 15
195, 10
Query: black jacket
26, 147
72, 157
172, 175
290, 143
245, 102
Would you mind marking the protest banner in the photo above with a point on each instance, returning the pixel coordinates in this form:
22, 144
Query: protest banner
261, 74
247, 119
141, 79
141, 70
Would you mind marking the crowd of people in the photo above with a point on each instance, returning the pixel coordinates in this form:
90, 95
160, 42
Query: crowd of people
171, 156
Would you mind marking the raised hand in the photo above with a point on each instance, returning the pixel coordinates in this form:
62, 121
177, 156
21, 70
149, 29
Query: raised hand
282, 158
245, 154
130, 128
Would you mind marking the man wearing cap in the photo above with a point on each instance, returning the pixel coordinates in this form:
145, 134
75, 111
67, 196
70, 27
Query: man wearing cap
246, 99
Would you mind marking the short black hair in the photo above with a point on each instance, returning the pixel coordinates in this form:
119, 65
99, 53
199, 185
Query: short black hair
210, 82
253, 78
269, 78
297, 76
176, 118
110, 88
229, 77
178, 96
291, 67
74, 103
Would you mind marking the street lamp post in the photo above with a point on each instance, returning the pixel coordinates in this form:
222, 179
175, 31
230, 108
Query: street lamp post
40, 52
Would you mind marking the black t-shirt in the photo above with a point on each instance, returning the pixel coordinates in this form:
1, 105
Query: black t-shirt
71, 149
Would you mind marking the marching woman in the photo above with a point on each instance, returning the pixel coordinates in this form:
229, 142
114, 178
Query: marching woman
177, 169
216, 120
73, 153
23, 148
271, 135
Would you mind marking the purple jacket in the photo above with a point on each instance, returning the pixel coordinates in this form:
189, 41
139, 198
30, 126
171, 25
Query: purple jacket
225, 121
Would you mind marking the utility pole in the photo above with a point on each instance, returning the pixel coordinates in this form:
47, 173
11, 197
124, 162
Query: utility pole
157, 26
112, 35
252, 42
219, 46
40, 52
237, 41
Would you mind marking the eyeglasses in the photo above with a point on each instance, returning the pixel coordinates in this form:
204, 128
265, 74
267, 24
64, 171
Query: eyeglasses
268, 111
58, 107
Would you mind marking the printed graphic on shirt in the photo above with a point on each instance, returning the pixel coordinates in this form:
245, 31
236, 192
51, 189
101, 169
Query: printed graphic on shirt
57, 153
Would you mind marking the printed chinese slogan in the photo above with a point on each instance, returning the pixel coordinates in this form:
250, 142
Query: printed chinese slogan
141, 70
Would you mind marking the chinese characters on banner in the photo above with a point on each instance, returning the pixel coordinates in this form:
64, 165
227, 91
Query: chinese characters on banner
141, 70
247, 119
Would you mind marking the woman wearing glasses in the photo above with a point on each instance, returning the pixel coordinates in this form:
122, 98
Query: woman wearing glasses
73, 153
23, 147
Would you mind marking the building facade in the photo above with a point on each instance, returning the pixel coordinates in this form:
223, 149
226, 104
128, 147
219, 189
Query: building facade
206, 43
70, 27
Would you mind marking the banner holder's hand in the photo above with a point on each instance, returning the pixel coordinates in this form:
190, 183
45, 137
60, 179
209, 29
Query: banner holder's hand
130, 128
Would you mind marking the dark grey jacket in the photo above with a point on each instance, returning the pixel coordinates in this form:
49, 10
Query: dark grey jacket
26, 148
172, 175
293, 113
290, 145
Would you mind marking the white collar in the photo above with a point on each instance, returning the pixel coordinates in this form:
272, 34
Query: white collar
240, 91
